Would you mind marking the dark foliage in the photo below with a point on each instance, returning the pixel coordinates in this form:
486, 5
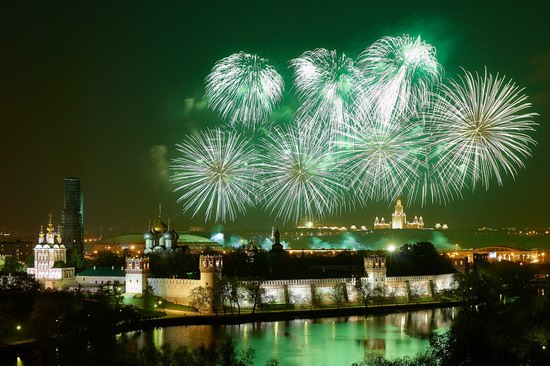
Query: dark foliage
418, 259
178, 264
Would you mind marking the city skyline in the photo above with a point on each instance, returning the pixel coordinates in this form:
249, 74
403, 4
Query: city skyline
114, 89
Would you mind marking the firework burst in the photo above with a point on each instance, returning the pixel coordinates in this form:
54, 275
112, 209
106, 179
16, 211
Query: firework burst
481, 126
401, 72
215, 172
383, 160
299, 175
244, 88
328, 87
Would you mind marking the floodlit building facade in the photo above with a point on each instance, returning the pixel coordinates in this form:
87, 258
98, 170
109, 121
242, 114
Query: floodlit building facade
50, 260
399, 220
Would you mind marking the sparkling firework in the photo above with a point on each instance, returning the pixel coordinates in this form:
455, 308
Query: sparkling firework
244, 88
328, 88
299, 175
383, 160
480, 124
401, 73
215, 171
373, 129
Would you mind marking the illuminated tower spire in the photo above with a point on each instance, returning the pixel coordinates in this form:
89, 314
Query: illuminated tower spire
399, 218
41, 235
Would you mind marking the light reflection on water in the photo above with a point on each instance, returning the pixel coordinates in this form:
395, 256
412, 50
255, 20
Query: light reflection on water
326, 341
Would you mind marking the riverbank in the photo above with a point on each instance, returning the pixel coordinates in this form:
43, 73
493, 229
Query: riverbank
220, 319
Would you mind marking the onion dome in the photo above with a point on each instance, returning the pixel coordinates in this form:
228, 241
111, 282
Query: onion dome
159, 226
168, 235
148, 236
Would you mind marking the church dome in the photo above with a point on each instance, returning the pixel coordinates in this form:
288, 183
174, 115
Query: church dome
159, 226
176, 235
38, 246
148, 236
168, 235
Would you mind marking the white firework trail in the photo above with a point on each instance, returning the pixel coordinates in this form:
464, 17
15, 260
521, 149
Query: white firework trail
215, 172
481, 124
383, 160
328, 87
299, 176
400, 74
244, 89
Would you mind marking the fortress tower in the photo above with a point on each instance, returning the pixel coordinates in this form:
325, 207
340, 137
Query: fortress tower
137, 271
211, 266
375, 270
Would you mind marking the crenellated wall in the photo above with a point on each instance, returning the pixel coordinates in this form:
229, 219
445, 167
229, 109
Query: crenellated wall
301, 292
305, 292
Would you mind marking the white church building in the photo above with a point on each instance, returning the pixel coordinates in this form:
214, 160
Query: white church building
50, 260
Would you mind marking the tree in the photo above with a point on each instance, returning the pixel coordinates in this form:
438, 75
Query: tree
76, 259
109, 295
338, 294
364, 290
379, 293
204, 299
12, 265
475, 287
392, 293
236, 293
254, 292
148, 298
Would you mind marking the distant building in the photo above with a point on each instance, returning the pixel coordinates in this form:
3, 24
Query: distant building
498, 254
19, 249
399, 220
277, 247
50, 260
100, 276
381, 223
72, 218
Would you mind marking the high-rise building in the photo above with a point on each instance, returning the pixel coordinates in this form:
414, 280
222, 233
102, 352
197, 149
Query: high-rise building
72, 218
399, 220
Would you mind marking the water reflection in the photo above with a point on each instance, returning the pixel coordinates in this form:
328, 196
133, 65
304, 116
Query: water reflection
326, 341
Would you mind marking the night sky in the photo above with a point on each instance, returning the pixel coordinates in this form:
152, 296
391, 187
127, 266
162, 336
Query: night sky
104, 90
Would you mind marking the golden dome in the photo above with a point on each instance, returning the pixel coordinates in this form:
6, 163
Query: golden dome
159, 226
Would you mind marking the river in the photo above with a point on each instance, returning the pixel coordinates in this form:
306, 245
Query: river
325, 341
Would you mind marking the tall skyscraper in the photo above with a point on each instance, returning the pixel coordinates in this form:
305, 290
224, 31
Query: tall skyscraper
72, 218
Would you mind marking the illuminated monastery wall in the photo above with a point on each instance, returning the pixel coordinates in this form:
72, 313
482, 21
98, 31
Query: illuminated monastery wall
301, 292
173, 289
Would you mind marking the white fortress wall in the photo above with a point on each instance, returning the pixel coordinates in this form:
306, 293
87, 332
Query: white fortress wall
302, 291
173, 289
